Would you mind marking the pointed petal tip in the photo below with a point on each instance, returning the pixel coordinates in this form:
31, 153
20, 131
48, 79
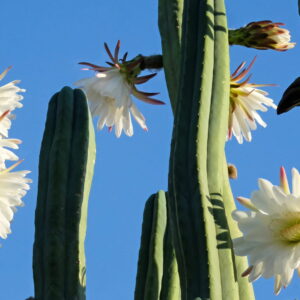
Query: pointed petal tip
284, 181
247, 271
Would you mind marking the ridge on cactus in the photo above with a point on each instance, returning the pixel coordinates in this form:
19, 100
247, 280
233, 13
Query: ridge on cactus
245, 100
109, 92
271, 237
262, 35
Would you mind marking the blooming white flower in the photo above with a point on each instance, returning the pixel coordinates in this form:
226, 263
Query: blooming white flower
245, 101
9, 100
262, 35
109, 93
13, 186
271, 230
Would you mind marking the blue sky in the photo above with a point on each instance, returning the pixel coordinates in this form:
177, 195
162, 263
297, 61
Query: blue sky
44, 40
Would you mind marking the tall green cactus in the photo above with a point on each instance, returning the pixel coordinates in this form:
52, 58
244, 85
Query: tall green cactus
200, 197
157, 275
66, 166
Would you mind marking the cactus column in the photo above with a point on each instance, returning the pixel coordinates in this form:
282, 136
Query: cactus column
198, 186
157, 275
66, 166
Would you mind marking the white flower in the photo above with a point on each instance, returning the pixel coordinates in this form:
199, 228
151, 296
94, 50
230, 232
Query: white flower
13, 186
9, 100
245, 101
271, 230
110, 93
6, 154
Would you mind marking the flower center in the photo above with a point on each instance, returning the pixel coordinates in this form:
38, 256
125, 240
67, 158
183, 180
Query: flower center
287, 227
291, 233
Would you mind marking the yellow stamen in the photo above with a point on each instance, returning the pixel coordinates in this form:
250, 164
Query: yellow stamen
291, 233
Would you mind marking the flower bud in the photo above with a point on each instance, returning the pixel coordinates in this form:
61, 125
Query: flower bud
262, 35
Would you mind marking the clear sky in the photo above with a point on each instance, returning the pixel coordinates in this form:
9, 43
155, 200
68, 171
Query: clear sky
44, 40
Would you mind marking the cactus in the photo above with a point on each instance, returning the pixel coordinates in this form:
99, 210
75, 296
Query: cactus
66, 165
200, 197
157, 275
169, 22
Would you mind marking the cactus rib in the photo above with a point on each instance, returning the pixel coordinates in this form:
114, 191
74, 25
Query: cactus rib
216, 142
157, 275
195, 236
169, 22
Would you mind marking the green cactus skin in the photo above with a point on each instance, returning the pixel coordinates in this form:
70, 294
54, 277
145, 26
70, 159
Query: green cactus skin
233, 285
244, 287
157, 274
198, 194
218, 121
170, 288
194, 227
169, 22
66, 166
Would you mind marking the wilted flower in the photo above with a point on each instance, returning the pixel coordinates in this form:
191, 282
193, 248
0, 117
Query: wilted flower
109, 92
290, 97
9, 100
262, 35
245, 100
271, 230
13, 186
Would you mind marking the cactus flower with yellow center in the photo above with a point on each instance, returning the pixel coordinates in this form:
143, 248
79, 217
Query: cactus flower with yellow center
271, 230
245, 101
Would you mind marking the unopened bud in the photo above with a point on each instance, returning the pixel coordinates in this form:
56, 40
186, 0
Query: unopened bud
262, 35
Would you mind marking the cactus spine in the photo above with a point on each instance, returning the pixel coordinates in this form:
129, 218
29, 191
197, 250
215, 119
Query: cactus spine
157, 275
66, 165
